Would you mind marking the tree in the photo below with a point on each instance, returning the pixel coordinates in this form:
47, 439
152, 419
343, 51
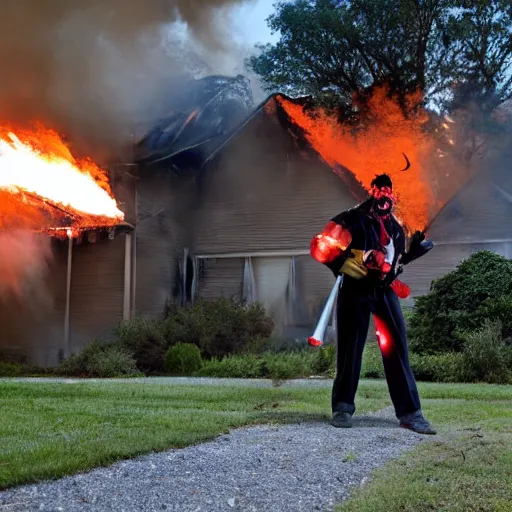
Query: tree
338, 50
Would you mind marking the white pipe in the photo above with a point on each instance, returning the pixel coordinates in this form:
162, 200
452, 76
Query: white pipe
256, 254
127, 277
67, 339
134, 260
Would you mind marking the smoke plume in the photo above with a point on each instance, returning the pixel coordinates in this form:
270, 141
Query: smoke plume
94, 69
24, 260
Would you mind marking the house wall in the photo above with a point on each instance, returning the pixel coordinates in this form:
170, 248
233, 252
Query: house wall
163, 232
262, 193
33, 325
265, 198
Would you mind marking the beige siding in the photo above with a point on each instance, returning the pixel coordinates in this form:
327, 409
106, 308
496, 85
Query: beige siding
441, 260
479, 212
314, 283
164, 204
97, 289
265, 194
221, 277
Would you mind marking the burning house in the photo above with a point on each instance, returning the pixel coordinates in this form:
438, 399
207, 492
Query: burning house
221, 199
259, 194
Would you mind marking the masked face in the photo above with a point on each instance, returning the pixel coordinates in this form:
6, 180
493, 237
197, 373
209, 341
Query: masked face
383, 201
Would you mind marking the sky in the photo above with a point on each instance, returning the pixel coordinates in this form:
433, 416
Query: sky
249, 22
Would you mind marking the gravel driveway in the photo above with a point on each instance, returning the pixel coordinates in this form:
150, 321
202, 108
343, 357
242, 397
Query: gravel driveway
299, 467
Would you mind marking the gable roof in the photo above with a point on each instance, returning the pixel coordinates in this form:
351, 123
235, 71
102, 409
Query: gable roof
481, 210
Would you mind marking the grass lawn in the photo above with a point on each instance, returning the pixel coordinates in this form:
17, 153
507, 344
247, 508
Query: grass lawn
52, 429
466, 468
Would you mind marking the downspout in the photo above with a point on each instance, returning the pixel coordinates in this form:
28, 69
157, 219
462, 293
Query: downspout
184, 282
134, 254
67, 339
127, 299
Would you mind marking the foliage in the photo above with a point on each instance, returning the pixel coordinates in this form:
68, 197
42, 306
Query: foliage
143, 336
480, 287
100, 360
236, 367
486, 358
183, 359
10, 369
283, 365
334, 50
324, 362
218, 327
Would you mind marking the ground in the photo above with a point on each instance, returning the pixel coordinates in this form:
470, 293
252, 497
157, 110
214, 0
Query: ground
51, 429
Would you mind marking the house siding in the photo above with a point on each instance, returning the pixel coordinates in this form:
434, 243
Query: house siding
263, 194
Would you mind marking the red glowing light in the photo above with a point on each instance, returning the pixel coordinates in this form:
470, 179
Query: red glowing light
384, 337
401, 289
314, 342
330, 243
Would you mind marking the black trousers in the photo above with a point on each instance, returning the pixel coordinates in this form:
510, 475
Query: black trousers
357, 300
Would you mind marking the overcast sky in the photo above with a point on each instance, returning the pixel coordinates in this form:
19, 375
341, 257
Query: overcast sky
249, 22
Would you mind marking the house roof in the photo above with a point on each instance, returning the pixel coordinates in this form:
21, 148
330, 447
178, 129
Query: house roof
481, 210
198, 118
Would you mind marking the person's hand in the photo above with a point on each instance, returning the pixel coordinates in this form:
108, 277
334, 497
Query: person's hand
376, 260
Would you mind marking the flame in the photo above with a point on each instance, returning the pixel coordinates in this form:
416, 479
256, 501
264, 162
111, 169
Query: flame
377, 150
38, 164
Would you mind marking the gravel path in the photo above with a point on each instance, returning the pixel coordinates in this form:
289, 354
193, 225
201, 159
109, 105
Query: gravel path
300, 467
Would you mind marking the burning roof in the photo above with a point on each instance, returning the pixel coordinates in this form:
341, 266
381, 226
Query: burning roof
42, 186
200, 115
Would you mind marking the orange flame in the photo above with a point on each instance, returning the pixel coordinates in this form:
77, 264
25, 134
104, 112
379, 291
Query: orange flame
39, 164
377, 150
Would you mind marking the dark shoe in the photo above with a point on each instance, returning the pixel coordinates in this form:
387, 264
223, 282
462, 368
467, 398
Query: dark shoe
417, 423
342, 420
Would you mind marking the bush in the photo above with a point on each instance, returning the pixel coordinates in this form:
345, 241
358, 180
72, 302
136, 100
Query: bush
372, 362
144, 338
235, 367
11, 369
183, 359
428, 368
99, 360
486, 357
290, 366
445, 367
282, 365
324, 360
218, 327
458, 302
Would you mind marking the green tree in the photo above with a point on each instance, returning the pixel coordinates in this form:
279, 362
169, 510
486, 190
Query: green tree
336, 51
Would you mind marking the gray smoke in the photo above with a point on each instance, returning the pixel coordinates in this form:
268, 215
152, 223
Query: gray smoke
95, 69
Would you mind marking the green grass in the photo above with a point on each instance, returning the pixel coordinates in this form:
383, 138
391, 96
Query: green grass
466, 468
49, 430
52, 429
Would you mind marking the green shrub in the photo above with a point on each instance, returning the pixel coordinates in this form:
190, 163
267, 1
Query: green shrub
144, 338
183, 359
235, 367
99, 360
372, 367
289, 366
446, 367
486, 357
458, 302
10, 369
218, 327
324, 360
282, 365
429, 368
